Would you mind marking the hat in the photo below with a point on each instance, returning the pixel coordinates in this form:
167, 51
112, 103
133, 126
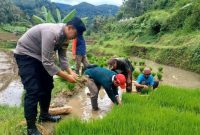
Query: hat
120, 78
78, 24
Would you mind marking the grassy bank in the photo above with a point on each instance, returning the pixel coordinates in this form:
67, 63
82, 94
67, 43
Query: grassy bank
11, 117
181, 50
168, 110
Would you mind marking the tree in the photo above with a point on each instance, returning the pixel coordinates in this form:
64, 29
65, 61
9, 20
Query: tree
9, 12
48, 18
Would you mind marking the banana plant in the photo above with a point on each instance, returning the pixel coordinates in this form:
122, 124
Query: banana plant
48, 17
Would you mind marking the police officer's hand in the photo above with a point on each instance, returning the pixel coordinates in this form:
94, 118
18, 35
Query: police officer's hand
66, 76
71, 79
74, 57
74, 75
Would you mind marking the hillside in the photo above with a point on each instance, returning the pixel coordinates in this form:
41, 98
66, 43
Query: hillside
88, 10
167, 35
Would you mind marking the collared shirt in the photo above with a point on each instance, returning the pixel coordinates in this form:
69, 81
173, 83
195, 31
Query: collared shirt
145, 81
42, 42
104, 77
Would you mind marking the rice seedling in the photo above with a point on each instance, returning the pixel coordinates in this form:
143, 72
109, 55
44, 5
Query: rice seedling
160, 69
169, 110
141, 69
159, 76
153, 74
141, 63
136, 74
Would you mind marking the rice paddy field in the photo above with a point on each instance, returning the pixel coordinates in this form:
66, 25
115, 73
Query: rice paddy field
167, 111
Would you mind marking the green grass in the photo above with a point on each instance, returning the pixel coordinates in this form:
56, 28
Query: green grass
7, 45
169, 110
10, 117
61, 85
11, 28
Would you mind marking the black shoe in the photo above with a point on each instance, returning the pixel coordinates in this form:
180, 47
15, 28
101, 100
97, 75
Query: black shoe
95, 108
50, 118
34, 131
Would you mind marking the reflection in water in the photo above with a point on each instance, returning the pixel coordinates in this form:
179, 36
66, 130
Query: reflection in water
11, 96
82, 106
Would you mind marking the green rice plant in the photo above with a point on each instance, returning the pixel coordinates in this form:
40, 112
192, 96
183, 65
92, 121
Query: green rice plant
141, 63
159, 76
151, 68
142, 69
61, 85
136, 74
146, 91
160, 69
153, 74
135, 63
147, 115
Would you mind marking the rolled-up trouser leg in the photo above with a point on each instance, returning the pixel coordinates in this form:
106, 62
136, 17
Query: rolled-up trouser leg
129, 86
78, 63
94, 91
156, 83
85, 63
45, 95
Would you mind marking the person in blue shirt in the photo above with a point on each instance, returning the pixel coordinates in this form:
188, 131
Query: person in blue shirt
108, 79
146, 80
79, 51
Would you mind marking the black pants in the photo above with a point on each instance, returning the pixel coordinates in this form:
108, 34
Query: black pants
37, 83
155, 85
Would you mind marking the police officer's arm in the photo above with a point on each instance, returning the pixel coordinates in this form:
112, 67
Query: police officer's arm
64, 61
48, 56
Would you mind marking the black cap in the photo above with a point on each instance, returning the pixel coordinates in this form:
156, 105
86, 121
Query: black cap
78, 24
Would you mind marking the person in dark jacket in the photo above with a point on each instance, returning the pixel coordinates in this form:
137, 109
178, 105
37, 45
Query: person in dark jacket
35, 56
108, 79
123, 66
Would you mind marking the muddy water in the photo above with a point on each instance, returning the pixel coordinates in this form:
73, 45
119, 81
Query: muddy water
174, 76
11, 88
82, 105
12, 94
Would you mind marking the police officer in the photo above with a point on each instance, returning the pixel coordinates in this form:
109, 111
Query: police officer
35, 56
